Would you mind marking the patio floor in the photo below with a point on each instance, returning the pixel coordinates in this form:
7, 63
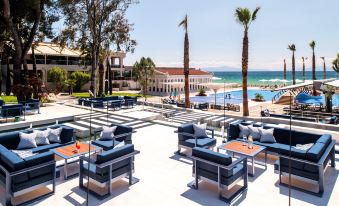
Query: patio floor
164, 177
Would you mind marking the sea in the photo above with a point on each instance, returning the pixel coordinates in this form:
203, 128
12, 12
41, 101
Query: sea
254, 77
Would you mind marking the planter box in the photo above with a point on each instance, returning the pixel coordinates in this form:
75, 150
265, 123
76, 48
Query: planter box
124, 88
116, 89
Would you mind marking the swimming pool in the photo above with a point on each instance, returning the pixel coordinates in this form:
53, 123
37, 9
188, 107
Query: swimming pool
236, 96
308, 99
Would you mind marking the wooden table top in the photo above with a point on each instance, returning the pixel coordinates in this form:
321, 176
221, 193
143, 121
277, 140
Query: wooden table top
237, 146
69, 151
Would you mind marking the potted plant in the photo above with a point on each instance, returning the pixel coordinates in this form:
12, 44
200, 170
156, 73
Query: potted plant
258, 97
201, 92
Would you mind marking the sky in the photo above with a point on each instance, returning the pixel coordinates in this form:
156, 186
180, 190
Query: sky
216, 38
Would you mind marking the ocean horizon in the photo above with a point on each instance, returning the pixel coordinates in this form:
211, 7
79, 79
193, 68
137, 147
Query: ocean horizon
254, 77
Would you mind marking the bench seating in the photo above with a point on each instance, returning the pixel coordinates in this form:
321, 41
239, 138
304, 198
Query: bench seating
219, 169
19, 175
309, 164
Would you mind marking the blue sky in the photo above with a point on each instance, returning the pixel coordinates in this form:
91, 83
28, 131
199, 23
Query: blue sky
216, 39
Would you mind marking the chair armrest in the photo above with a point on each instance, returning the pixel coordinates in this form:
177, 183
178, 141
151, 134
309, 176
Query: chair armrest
327, 152
132, 154
228, 167
300, 160
123, 135
186, 134
87, 159
212, 130
27, 169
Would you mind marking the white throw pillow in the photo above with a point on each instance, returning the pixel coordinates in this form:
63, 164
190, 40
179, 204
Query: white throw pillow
27, 141
244, 131
107, 133
54, 135
304, 147
42, 136
266, 135
254, 132
200, 130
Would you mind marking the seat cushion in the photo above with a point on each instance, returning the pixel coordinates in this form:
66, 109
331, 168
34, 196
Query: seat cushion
45, 148
106, 144
272, 147
201, 142
315, 152
212, 156
114, 153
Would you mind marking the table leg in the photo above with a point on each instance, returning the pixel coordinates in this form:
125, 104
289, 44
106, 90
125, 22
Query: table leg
252, 166
65, 170
265, 159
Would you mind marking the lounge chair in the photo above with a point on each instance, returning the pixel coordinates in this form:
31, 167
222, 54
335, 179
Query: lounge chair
219, 169
108, 167
187, 139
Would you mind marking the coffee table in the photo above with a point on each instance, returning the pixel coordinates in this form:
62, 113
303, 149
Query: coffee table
237, 147
70, 155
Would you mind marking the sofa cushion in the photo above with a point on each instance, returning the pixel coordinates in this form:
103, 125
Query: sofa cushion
244, 130
282, 135
107, 133
39, 159
186, 128
200, 130
304, 138
12, 161
315, 152
201, 142
266, 135
27, 141
326, 139
10, 140
254, 132
114, 153
45, 148
297, 153
272, 147
54, 135
42, 136
212, 156
106, 144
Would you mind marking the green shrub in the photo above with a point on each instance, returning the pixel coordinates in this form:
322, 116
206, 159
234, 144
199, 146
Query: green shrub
258, 97
202, 92
57, 75
80, 78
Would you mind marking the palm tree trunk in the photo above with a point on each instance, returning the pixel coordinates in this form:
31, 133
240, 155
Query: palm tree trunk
244, 73
313, 73
186, 71
285, 76
304, 70
324, 70
293, 68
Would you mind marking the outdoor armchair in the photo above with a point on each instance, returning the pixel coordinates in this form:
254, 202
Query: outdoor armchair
108, 167
187, 139
219, 169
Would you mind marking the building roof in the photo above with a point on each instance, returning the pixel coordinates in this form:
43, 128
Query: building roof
179, 71
46, 48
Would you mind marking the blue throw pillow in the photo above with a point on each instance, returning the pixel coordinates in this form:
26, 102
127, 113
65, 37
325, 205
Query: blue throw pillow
200, 130
244, 131
254, 132
266, 135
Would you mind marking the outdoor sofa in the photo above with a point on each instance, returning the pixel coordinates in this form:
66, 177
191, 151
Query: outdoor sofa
107, 167
22, 175
99, 102
187, 139
12, 110
309, 164
219, 169
122, 134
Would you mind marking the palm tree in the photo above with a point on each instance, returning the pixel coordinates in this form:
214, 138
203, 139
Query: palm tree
303, 59
324, 64
244, 17
285, 69
184, 24
292, 48
312, 45
143, 72
335, 63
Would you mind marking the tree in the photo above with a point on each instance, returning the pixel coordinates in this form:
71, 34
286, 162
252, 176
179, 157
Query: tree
303, 59
24, 21
285, 69
244, 17
80, 79
92, 25
143, 73
324, 65
312, 45
184, 24
335, 63
58, 76
292, 48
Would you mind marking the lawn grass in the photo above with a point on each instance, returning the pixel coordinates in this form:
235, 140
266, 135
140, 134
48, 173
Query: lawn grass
86, 94
9, 99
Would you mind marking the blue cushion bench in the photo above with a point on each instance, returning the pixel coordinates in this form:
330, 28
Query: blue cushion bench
24, 175
308, 164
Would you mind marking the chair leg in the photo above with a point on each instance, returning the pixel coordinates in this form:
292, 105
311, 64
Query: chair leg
8, 191
321, 180
333, 157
